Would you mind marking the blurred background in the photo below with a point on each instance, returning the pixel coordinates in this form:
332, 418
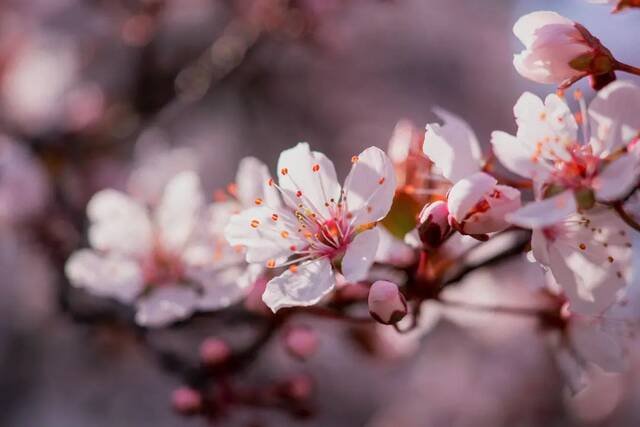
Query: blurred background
92, 89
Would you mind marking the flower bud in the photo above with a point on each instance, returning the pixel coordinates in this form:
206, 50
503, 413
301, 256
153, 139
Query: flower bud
186, 400
214, 352
386, 304
301, 342
558, 50
478, 204
434, 224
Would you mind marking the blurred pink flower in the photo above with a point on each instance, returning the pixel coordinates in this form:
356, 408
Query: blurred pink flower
170, 261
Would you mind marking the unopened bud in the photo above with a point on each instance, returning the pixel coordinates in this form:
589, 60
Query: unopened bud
301, 342
186, 400
387, 305
298, 387
434, 224
214, 352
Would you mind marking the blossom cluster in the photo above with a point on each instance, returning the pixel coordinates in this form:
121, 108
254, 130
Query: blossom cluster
402, 221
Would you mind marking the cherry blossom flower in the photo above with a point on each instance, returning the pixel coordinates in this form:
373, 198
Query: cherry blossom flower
604, 165
476, 202
321, 229
558, 50
619, 5
589, 254
170, 261
37, 80
156, 164
581, 340
23, 187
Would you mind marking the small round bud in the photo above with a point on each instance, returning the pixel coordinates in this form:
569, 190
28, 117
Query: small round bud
214, 352
298, 387
386, 304
434, 224
186, 400
301, 342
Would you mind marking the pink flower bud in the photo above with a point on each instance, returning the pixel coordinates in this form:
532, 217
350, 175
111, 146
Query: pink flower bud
434, 224
214, 352
386, 304
298, 387
301, 342
558, 50
186, 400
478, 204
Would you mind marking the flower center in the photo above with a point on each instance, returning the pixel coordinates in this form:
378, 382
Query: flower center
162, 268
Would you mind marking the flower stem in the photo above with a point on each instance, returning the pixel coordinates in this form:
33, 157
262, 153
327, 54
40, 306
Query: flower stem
520, 311
626, 217
627, 68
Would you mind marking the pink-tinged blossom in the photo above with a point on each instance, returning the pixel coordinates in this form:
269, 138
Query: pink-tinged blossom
548, 149
589, 254
557, 50
619, 5
433, 224
581, 340
301, 342
170, 260
476, 202
321, 228
386, 303
37, 80
23, 186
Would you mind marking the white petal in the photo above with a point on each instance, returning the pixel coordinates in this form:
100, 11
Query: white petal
360, 255
256, 230
306, 286
571, 368
370, 186
527, 66
590, 257
318, 185
252, 181
502, 201
452, 146
617, 179
118, 224
226, 287
546, 212
595, 345
467, 192
165, 305
108, 276
156, 165
180, 210
219, 213
516, 156
545, 128
613, 118
539, 247
526, 26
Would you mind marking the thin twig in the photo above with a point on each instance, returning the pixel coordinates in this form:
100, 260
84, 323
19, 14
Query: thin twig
626, 217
